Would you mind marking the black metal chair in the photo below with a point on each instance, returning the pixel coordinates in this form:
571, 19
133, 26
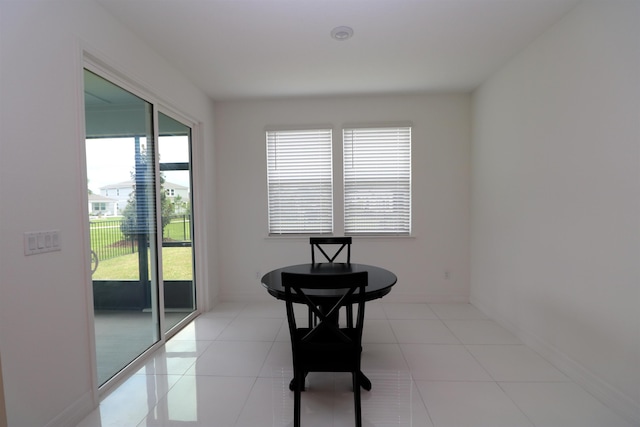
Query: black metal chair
337, 244
321, 243
325, 346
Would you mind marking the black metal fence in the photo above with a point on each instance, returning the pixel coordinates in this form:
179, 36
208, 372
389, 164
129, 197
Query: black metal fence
107, 240
179, 229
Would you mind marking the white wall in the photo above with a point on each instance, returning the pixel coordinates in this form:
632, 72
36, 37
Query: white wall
3, 408
556, 198
44, 320
441, 155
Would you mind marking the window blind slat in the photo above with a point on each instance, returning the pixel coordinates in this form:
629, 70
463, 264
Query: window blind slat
377, 180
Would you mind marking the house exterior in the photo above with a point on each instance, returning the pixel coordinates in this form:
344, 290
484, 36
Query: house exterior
120, 192
103, 206
176, 192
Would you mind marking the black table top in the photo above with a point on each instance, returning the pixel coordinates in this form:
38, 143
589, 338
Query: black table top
380, 280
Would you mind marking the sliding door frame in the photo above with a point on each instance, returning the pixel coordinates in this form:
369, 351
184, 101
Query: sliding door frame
194, 217
95, 64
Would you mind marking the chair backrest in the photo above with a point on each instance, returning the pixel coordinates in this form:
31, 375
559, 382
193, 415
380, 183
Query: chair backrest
321, 243
337, 291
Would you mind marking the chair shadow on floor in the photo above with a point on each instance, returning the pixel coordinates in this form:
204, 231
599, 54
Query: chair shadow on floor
389, 403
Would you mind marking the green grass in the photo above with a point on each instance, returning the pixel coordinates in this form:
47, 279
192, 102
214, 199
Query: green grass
177, 265
104, 234
177, 229
108, 241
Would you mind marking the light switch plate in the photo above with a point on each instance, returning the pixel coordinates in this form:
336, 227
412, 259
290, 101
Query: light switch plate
38, 242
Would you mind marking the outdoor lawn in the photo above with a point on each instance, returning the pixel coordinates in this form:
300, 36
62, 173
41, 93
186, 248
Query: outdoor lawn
177, 265
118, 255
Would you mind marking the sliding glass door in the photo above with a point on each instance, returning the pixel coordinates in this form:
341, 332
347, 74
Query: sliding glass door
174, 145
139, 214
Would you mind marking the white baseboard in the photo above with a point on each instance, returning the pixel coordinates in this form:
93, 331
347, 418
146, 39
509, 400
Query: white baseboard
616, 400
75, 412
244, 297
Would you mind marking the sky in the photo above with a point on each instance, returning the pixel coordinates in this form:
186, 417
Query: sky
111, 160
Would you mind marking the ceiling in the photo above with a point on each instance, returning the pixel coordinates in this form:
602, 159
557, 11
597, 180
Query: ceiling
235, 49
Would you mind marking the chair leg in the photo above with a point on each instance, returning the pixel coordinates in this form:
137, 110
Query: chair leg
349, 316
296, 409
356, 399
297, 397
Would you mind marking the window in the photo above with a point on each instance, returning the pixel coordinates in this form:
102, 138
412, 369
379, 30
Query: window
300, 181
377, 180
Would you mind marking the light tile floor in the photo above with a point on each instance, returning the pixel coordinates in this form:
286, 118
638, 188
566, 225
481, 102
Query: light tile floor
431, 365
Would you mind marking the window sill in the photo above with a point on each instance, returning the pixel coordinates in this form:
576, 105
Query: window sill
355, 237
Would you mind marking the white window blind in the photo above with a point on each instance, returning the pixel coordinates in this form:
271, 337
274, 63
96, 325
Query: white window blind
300, 181
377, 180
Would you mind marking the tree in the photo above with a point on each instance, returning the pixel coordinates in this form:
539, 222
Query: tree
135, 221
131, 216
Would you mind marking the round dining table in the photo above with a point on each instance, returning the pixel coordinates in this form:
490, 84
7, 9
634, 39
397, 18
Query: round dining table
380, 282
